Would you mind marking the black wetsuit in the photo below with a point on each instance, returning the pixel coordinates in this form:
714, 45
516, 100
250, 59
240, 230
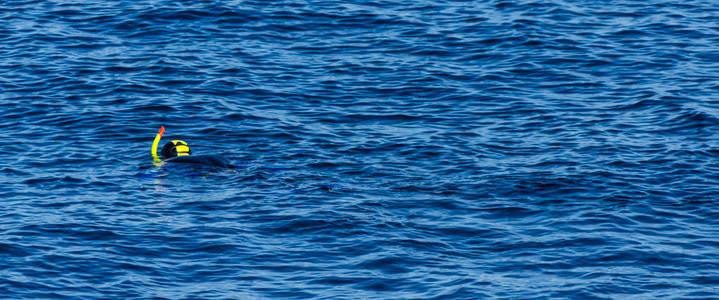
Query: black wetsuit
205, 160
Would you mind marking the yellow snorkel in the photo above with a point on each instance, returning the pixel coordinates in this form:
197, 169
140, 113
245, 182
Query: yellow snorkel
156, 159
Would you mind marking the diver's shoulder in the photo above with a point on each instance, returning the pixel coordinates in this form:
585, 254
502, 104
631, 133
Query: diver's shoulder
211, 160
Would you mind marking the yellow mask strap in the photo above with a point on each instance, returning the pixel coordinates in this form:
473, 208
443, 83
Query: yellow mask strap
181, 147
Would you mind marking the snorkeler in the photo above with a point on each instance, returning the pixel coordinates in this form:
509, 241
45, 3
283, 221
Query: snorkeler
177, 151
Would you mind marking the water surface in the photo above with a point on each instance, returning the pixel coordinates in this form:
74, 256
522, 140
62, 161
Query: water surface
432, 149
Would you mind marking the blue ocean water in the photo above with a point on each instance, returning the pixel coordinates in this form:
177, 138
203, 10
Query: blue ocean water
384, 149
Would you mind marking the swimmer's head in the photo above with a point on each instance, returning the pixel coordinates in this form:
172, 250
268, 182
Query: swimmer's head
175, 148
